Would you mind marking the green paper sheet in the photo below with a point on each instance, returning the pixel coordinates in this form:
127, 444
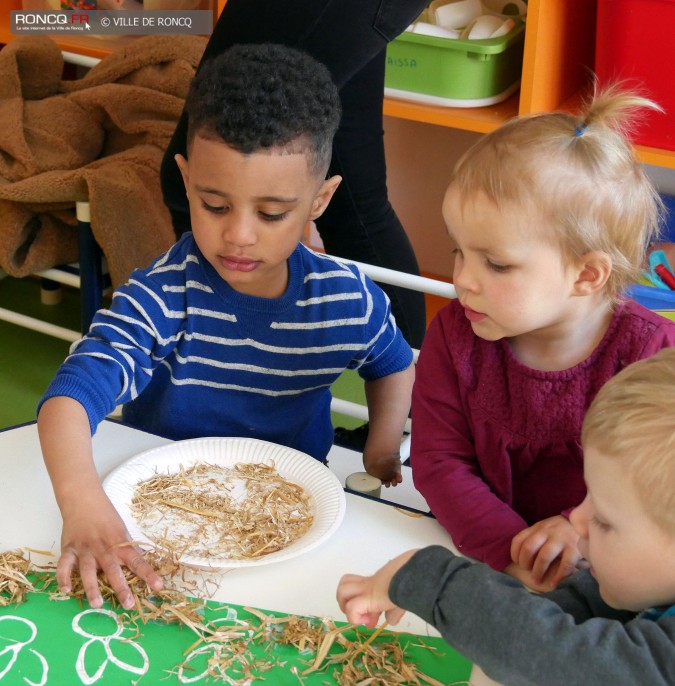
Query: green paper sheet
45, 641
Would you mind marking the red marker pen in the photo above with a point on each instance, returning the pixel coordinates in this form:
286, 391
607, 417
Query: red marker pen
666, 276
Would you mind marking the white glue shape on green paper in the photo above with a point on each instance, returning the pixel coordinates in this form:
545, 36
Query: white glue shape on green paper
105, 641
16, 646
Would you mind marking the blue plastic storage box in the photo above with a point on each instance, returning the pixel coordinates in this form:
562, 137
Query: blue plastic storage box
659, 299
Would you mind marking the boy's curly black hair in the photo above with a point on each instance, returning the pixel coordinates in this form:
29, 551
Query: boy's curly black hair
265, 95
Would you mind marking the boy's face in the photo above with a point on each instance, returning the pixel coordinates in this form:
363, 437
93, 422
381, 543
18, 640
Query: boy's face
249, 212
631, 557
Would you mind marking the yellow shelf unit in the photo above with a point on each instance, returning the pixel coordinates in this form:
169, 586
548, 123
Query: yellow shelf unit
557, 69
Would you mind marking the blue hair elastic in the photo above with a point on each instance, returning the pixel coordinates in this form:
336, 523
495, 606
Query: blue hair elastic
579, 130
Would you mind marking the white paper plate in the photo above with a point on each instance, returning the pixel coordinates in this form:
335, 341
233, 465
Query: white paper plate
328, 498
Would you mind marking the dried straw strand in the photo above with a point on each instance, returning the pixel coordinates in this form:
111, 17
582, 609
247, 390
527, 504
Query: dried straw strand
14, 585
204, 509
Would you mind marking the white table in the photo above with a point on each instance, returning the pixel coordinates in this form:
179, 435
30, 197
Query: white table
372, 532
343, 462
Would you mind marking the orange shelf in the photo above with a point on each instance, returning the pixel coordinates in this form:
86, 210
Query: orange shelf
656, 156
479, 119
559, 53
5, 34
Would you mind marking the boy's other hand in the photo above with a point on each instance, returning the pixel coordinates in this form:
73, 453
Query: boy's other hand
386, 467
548, 550
364, 598
94, 537
526, 577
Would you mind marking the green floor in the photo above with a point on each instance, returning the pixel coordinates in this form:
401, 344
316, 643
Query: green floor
29, 359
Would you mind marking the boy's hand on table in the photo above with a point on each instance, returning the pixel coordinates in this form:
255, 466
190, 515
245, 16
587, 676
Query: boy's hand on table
364, 598
386, 467
548, 550
94, 537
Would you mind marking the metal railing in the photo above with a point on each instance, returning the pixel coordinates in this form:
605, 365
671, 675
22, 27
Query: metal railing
392, 277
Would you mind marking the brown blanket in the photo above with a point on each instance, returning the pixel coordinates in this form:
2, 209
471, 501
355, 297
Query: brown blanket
99, 138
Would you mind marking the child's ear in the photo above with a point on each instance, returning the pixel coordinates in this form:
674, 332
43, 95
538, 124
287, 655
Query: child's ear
323, 196
183, 166
593, 270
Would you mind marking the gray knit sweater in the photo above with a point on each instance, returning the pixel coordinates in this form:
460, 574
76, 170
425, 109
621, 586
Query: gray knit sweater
566, 637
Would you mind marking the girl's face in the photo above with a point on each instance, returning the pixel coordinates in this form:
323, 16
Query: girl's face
631, 557
511, 281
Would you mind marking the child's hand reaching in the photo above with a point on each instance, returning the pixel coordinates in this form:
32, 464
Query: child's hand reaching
94, 537
388, 407
364, 598
386, 467
545, 553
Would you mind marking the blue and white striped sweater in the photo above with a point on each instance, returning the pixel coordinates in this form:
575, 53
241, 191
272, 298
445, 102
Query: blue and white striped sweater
189, 356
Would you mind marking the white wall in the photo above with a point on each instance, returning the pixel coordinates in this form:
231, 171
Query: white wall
663, 178
420, 158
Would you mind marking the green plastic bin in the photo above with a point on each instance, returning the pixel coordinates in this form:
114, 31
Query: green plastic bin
459, 73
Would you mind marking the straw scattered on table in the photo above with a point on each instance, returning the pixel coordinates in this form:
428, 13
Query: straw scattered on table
14, 583
345, 654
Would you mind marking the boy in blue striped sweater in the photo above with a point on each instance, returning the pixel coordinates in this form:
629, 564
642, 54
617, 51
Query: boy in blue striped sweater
238, 330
